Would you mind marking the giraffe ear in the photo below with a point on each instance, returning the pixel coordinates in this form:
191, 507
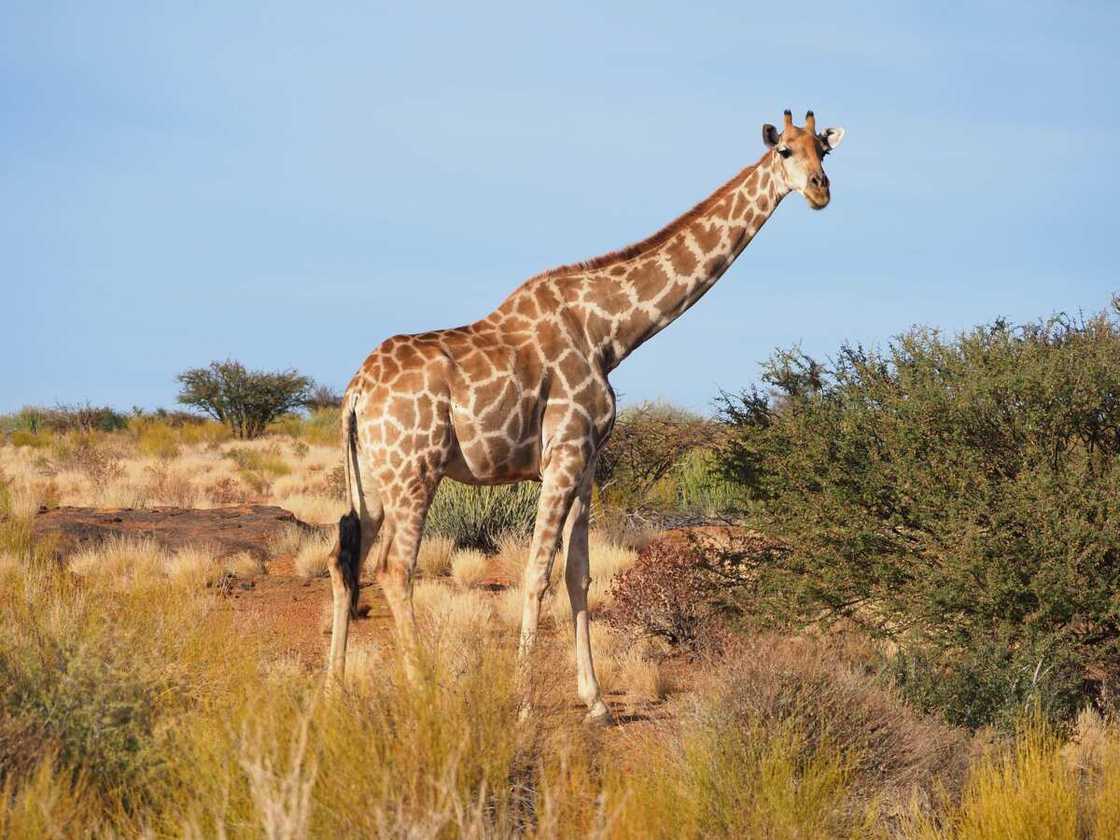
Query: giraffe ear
831, 137
770, 135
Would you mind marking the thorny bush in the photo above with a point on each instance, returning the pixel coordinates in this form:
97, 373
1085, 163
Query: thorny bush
687, 588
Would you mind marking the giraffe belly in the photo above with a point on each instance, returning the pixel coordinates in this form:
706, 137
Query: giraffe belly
485, 452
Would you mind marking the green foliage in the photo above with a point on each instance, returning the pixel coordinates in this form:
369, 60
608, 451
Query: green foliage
98, 456
91, 705
323, 397
785, 742
246, 400
958, 496
478, 517
268, 461
647, 443
79, 686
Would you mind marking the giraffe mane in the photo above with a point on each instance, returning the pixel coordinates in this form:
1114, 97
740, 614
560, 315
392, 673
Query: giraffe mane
660, 237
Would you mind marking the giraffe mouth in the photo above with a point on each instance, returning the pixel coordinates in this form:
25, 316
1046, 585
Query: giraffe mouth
818, 201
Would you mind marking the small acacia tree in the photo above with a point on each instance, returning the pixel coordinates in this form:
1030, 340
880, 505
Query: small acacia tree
246, 400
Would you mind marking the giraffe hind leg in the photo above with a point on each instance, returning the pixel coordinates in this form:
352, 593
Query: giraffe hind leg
397, 563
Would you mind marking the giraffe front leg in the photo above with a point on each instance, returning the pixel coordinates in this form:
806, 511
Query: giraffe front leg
559, 486
577, 576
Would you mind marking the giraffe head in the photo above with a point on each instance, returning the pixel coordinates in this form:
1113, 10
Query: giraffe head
801, 151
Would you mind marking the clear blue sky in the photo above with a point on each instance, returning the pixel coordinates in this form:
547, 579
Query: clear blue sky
288, 184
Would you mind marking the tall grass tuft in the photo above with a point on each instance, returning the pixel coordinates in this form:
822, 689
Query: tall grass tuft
1026, 790
1029, 793
479, 517
156, 439
700, 488
723, 779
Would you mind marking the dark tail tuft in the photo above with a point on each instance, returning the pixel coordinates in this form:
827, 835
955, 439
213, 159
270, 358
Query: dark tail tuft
349, 549
350, 525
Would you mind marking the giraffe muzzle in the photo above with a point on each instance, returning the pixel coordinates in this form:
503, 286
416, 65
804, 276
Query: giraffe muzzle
816, 191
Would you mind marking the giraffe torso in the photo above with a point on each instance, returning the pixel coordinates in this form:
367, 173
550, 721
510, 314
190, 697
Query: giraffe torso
481, 403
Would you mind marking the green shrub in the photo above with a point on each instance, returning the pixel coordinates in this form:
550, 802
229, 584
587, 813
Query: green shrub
257, 468
755, 755
103, 419
269, 462
79, 686
960, 497
323, 426
206, 432
97, 456
62, 419
478, 517
106, 682
92, 706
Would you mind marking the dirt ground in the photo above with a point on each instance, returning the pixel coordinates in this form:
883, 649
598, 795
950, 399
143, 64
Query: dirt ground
293, 614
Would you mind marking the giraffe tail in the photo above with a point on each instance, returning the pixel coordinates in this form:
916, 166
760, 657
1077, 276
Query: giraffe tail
350, 524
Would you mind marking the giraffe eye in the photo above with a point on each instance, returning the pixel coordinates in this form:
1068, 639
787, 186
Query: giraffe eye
785, 151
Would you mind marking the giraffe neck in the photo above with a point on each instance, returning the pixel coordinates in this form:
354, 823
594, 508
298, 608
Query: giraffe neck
635, 296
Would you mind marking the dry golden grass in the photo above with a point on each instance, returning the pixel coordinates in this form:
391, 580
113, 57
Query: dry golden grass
511, 557
1031, 789
607, 560
287, 541
434, 558
125, 562
130, 562
507, 607
313, 552
192, 566
155, 465
242, 564
470, 567
218, 730
621, 663
222, 734
453, 622
316, 509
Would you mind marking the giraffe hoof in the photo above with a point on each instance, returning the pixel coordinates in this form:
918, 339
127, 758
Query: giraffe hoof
599, 716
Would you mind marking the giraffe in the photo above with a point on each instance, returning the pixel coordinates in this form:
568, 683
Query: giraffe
523, 394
